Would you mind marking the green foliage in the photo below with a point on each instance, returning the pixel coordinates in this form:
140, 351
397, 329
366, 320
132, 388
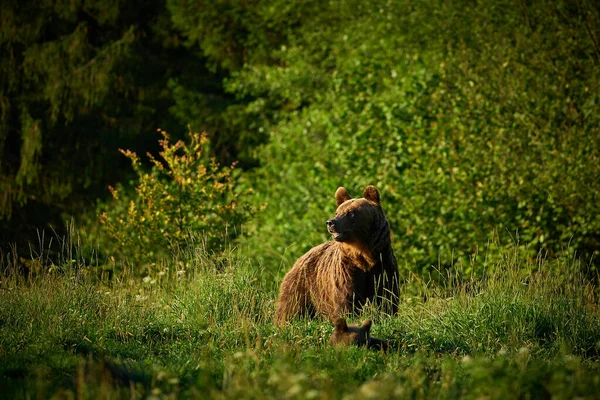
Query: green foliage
470, 119
52, 73
186, 330
229, 34
184, 196
475, 120
78, 80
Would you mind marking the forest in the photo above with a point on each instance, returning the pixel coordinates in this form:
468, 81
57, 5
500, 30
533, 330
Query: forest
163, 163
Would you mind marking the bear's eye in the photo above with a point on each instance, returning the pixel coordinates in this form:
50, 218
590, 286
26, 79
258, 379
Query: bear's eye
351, 214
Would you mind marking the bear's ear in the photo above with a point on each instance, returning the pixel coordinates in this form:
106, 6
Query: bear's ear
372, 194
366, 326
341, 325
341, 195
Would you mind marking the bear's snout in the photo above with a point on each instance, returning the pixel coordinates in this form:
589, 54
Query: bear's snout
337, 232
330, 224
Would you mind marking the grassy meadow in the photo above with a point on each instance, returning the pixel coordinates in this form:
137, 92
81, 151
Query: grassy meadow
197, 326
199, 146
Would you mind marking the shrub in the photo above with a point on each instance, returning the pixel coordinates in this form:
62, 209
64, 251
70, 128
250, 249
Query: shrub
183, 197
470, 120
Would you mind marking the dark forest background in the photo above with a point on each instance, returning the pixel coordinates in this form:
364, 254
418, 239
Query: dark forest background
478, 121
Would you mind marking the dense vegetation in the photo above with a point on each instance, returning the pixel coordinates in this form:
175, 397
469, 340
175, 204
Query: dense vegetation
472, 119
469, 119
477, 121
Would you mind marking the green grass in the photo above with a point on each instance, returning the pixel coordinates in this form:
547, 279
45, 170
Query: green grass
184, 330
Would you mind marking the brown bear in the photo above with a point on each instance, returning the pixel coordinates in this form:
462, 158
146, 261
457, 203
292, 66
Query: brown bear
344, 334
341, 275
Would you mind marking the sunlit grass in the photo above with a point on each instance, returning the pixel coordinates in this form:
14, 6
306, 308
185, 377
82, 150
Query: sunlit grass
199, 326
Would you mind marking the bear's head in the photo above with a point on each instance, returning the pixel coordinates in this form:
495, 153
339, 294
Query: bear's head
344, 334
358, 221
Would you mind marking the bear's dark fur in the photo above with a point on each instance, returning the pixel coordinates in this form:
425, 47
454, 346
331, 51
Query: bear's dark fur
341, 275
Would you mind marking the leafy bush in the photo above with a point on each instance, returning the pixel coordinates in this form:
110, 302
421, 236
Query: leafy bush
181, 198
471, 121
